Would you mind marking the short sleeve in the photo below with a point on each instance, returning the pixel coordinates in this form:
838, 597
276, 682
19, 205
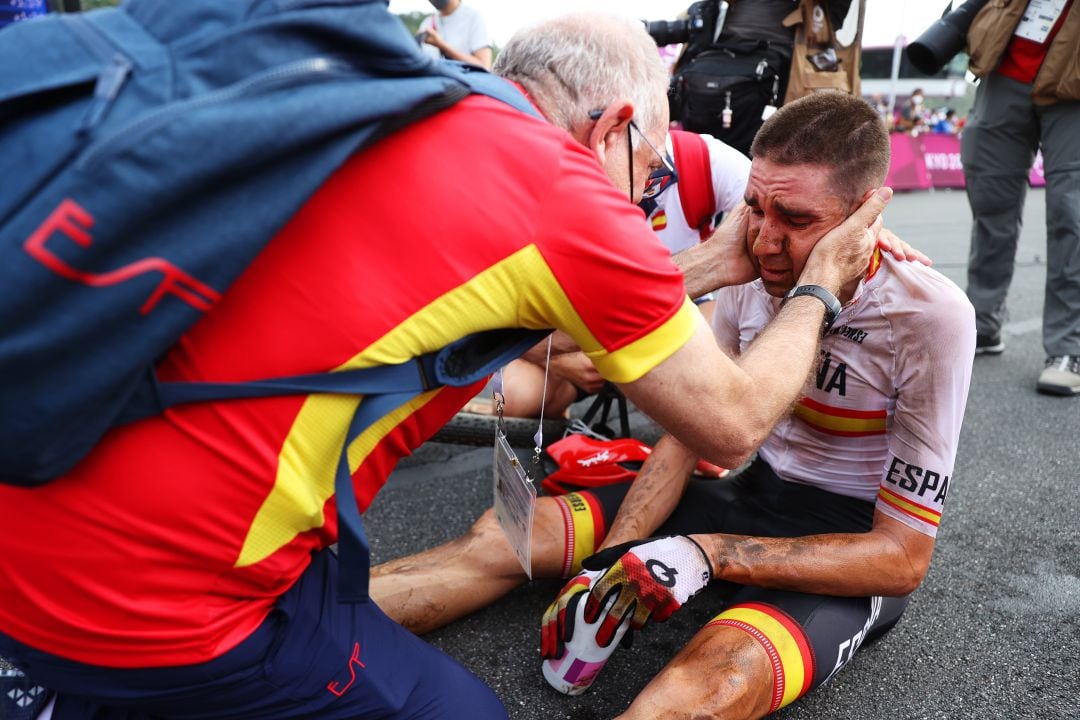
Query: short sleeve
478, 33
932, 389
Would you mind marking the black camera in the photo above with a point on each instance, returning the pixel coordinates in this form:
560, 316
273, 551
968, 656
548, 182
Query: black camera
669, 32
944, 39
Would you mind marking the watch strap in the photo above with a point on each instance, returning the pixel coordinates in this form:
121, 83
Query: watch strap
832, 305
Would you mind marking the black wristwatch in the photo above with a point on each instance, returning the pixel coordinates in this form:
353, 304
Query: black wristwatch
832, 305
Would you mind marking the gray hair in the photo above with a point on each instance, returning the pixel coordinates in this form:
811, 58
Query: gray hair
582, 62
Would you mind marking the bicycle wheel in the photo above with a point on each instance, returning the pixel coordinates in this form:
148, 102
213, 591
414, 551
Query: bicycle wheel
477, 429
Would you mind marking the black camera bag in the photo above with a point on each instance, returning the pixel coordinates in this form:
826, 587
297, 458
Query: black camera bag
755, 76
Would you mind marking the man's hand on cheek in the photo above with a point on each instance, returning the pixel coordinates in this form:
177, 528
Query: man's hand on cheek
842, 255
733, 249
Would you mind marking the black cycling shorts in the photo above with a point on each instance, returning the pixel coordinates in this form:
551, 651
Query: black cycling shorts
808, 637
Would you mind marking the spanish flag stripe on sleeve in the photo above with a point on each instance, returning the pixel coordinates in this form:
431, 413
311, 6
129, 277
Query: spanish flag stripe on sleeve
910, 508
784, 641
633, 360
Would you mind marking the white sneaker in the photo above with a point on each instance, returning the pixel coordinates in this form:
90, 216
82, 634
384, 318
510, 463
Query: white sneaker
1061, 376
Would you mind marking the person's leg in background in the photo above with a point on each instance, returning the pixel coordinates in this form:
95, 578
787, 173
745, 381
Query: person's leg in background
1060, 136
524, 383
997, 150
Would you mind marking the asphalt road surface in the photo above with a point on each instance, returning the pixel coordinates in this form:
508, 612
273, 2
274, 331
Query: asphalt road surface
994, 631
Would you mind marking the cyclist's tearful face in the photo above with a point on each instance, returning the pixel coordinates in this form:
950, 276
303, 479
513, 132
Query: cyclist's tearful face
791, 208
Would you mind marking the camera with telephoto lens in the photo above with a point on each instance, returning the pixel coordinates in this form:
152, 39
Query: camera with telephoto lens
944, 39
670, 32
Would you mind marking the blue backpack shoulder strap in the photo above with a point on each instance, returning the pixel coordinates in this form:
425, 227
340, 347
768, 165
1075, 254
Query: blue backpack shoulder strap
460, 363
484, 83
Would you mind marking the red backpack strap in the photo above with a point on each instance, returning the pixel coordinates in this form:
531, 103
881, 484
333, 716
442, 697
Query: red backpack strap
695, 179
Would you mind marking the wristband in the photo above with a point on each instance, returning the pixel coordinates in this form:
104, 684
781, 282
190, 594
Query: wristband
832, 305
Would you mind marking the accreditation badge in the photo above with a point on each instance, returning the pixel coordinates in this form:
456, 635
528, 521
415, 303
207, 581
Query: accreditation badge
1039, 19
515, 501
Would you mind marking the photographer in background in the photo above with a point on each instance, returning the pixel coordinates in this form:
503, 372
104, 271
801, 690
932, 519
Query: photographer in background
733, 72
1025, 54
456, 32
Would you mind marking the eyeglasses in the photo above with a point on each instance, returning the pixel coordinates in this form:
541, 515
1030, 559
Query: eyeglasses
659, 179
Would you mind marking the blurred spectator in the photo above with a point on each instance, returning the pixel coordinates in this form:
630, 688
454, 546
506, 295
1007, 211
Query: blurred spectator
456, 32
946, 124
14, 10
913, 111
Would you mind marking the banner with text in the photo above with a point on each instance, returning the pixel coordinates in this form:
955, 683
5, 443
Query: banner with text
933, 161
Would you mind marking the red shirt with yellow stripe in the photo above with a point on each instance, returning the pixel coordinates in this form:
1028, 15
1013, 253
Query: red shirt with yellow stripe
169, 544
880, 418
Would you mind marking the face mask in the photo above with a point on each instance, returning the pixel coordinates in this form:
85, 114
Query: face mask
439, 5
917, 99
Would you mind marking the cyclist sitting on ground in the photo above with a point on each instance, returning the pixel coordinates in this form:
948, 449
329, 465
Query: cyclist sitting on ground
829, 530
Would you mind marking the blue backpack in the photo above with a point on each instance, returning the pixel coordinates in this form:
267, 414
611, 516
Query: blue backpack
131, 138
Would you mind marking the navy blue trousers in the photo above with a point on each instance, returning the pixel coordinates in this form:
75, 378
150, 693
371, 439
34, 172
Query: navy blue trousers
312, 658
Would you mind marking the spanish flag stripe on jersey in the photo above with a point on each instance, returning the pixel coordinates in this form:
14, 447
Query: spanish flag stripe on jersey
842, 412
910, 508
785, 642
841, 421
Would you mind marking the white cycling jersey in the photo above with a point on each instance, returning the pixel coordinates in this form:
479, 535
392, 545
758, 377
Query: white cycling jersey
880, 419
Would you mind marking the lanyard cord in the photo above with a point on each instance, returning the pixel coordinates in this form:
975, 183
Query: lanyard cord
500, 400
538, 438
